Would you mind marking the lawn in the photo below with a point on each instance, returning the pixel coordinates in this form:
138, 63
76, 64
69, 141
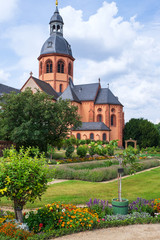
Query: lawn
145, 185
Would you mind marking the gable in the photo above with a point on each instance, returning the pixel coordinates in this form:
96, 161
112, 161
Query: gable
32, 85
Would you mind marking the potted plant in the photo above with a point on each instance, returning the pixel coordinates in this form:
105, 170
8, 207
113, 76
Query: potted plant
127, 159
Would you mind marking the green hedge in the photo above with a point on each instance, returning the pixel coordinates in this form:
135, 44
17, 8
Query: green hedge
95, 171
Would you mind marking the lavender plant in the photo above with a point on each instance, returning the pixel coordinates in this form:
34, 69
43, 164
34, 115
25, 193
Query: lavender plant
101, 207
142, 205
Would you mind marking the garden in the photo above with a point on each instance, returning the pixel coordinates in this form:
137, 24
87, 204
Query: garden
44, 211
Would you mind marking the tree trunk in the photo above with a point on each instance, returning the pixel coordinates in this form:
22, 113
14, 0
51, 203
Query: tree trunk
18, 212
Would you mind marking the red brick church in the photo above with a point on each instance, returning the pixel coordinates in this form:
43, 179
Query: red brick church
101, 112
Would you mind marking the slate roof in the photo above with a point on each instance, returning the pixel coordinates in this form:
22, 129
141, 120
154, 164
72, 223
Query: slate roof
105, 96
56, 44
93, 126
69, 94
7, 89
86, 92
46, 87
56, 17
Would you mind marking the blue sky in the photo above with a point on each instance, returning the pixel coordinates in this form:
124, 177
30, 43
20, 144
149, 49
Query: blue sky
117, 41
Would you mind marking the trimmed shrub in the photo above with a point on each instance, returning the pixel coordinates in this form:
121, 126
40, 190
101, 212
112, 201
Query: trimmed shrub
82, 151
69, 151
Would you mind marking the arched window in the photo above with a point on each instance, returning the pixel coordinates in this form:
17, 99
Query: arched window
60, 67
104, 136
69, 69
78, 136
58, 28
60, 87
113, 120
49, 66
99, 118
92, 136
40, 69
54, 28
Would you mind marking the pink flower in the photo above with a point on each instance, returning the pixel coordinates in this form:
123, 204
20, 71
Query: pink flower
102, 219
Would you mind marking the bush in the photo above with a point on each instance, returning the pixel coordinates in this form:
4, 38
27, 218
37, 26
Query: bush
141, 205
82, 142
10, 229
69, 151
43, 219
82, 151
101, 207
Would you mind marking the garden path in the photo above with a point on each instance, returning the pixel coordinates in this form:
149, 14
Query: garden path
134, 232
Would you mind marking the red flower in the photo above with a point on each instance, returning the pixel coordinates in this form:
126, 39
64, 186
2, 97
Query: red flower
59, 221
24, 213
41, 225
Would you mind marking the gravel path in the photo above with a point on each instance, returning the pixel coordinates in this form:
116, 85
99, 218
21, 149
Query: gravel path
134, 232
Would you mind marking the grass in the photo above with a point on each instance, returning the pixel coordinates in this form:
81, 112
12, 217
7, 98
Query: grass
145, 185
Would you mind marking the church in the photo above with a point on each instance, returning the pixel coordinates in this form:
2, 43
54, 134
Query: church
101, 112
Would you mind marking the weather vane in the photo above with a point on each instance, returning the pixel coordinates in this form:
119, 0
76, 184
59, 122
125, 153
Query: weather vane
56, 2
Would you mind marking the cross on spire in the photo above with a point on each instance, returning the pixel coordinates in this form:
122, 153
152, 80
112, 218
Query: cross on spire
31, 74
108, 85
56, 3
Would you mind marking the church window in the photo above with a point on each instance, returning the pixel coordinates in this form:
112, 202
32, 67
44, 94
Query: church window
104, 136
113, 120
99, 110
49, 66
92, 136
60, 67
69, 69
113, 110
99, 118
58, 28
40, 68
54, 28
78, 136
60, 87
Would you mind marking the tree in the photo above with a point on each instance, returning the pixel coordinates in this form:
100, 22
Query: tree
143, 131
35, 120
23, 178
158, 127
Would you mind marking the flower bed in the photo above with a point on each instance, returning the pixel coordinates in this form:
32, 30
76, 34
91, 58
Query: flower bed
59, 219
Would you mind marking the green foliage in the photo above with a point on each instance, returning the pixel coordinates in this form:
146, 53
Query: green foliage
69, 151
30, 119
82, 151
43, 219
158, 127
23, 178
50, 151
82, 142
92, 148
130, 157
143, 131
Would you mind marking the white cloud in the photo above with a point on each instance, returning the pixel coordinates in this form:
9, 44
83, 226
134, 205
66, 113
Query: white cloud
120, 52
26, 42
4, 76
8, 9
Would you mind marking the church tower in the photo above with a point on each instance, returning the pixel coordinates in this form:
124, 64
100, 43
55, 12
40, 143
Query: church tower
56, 60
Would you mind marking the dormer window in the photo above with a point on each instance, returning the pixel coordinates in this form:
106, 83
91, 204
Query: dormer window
50, 44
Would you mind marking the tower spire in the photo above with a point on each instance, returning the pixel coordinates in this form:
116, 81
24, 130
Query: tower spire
56, 3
